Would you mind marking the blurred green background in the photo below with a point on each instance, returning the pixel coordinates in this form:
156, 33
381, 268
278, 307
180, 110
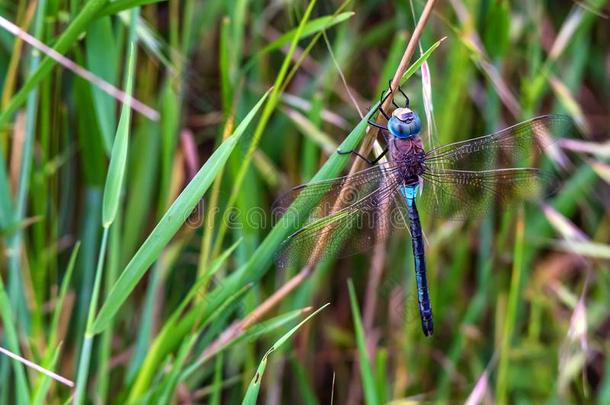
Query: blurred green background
521, 299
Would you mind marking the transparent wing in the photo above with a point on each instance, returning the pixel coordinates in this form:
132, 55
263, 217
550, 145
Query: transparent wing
462, 194
515, 146
465, 178
351, 229
319, 199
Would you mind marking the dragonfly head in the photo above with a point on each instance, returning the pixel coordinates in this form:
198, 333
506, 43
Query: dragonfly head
404, 123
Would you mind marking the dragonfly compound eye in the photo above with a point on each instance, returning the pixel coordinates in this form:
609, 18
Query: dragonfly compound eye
404, 123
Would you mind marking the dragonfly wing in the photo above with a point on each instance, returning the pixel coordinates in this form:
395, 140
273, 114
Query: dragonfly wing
516, 146
465, 178
319, 199
462, 193
346, 231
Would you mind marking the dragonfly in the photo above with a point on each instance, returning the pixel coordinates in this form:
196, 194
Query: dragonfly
458, 180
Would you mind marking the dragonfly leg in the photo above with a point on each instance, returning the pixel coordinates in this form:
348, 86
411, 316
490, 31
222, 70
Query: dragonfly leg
382, 100
401, 92
378, 158
380, 108
376, 125
371, 162
405, 96
385, 115
391, 91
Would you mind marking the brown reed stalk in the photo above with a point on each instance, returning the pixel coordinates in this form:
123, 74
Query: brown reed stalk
379, 250
378, 259
240, 326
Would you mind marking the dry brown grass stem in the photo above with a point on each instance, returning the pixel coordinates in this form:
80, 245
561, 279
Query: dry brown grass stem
237, 328
378, 258
366, 145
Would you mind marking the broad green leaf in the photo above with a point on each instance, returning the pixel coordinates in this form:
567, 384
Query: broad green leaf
169, 224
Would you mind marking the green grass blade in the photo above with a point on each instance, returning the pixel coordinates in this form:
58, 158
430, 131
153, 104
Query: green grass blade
255, 384
414, 67
103, 347
102, 60
116, 6
366, 370
304, 383
172, 378
89, 11
148, 369
140, 186
250, 334
110, 203
169, 225
262, 124
217, 382
85, 354
118, 156
12, 342
6, 201
312, 27
45, 382
65, 284
512, 312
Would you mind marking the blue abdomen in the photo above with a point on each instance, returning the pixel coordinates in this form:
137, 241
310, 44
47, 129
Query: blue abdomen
417, 243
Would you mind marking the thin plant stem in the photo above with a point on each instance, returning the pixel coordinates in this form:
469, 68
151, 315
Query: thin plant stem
262, 124
400, 71
85, 355
511, 312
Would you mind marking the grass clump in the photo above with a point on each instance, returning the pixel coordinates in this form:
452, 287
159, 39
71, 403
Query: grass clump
137, 250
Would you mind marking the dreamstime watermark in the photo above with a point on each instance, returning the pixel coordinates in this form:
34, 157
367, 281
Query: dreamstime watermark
355, 210
234, 218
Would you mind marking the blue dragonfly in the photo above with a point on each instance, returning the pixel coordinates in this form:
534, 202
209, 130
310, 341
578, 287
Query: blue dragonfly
458, 180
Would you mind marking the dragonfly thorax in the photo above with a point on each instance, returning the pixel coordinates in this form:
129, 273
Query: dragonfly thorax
409, 155
404, 123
